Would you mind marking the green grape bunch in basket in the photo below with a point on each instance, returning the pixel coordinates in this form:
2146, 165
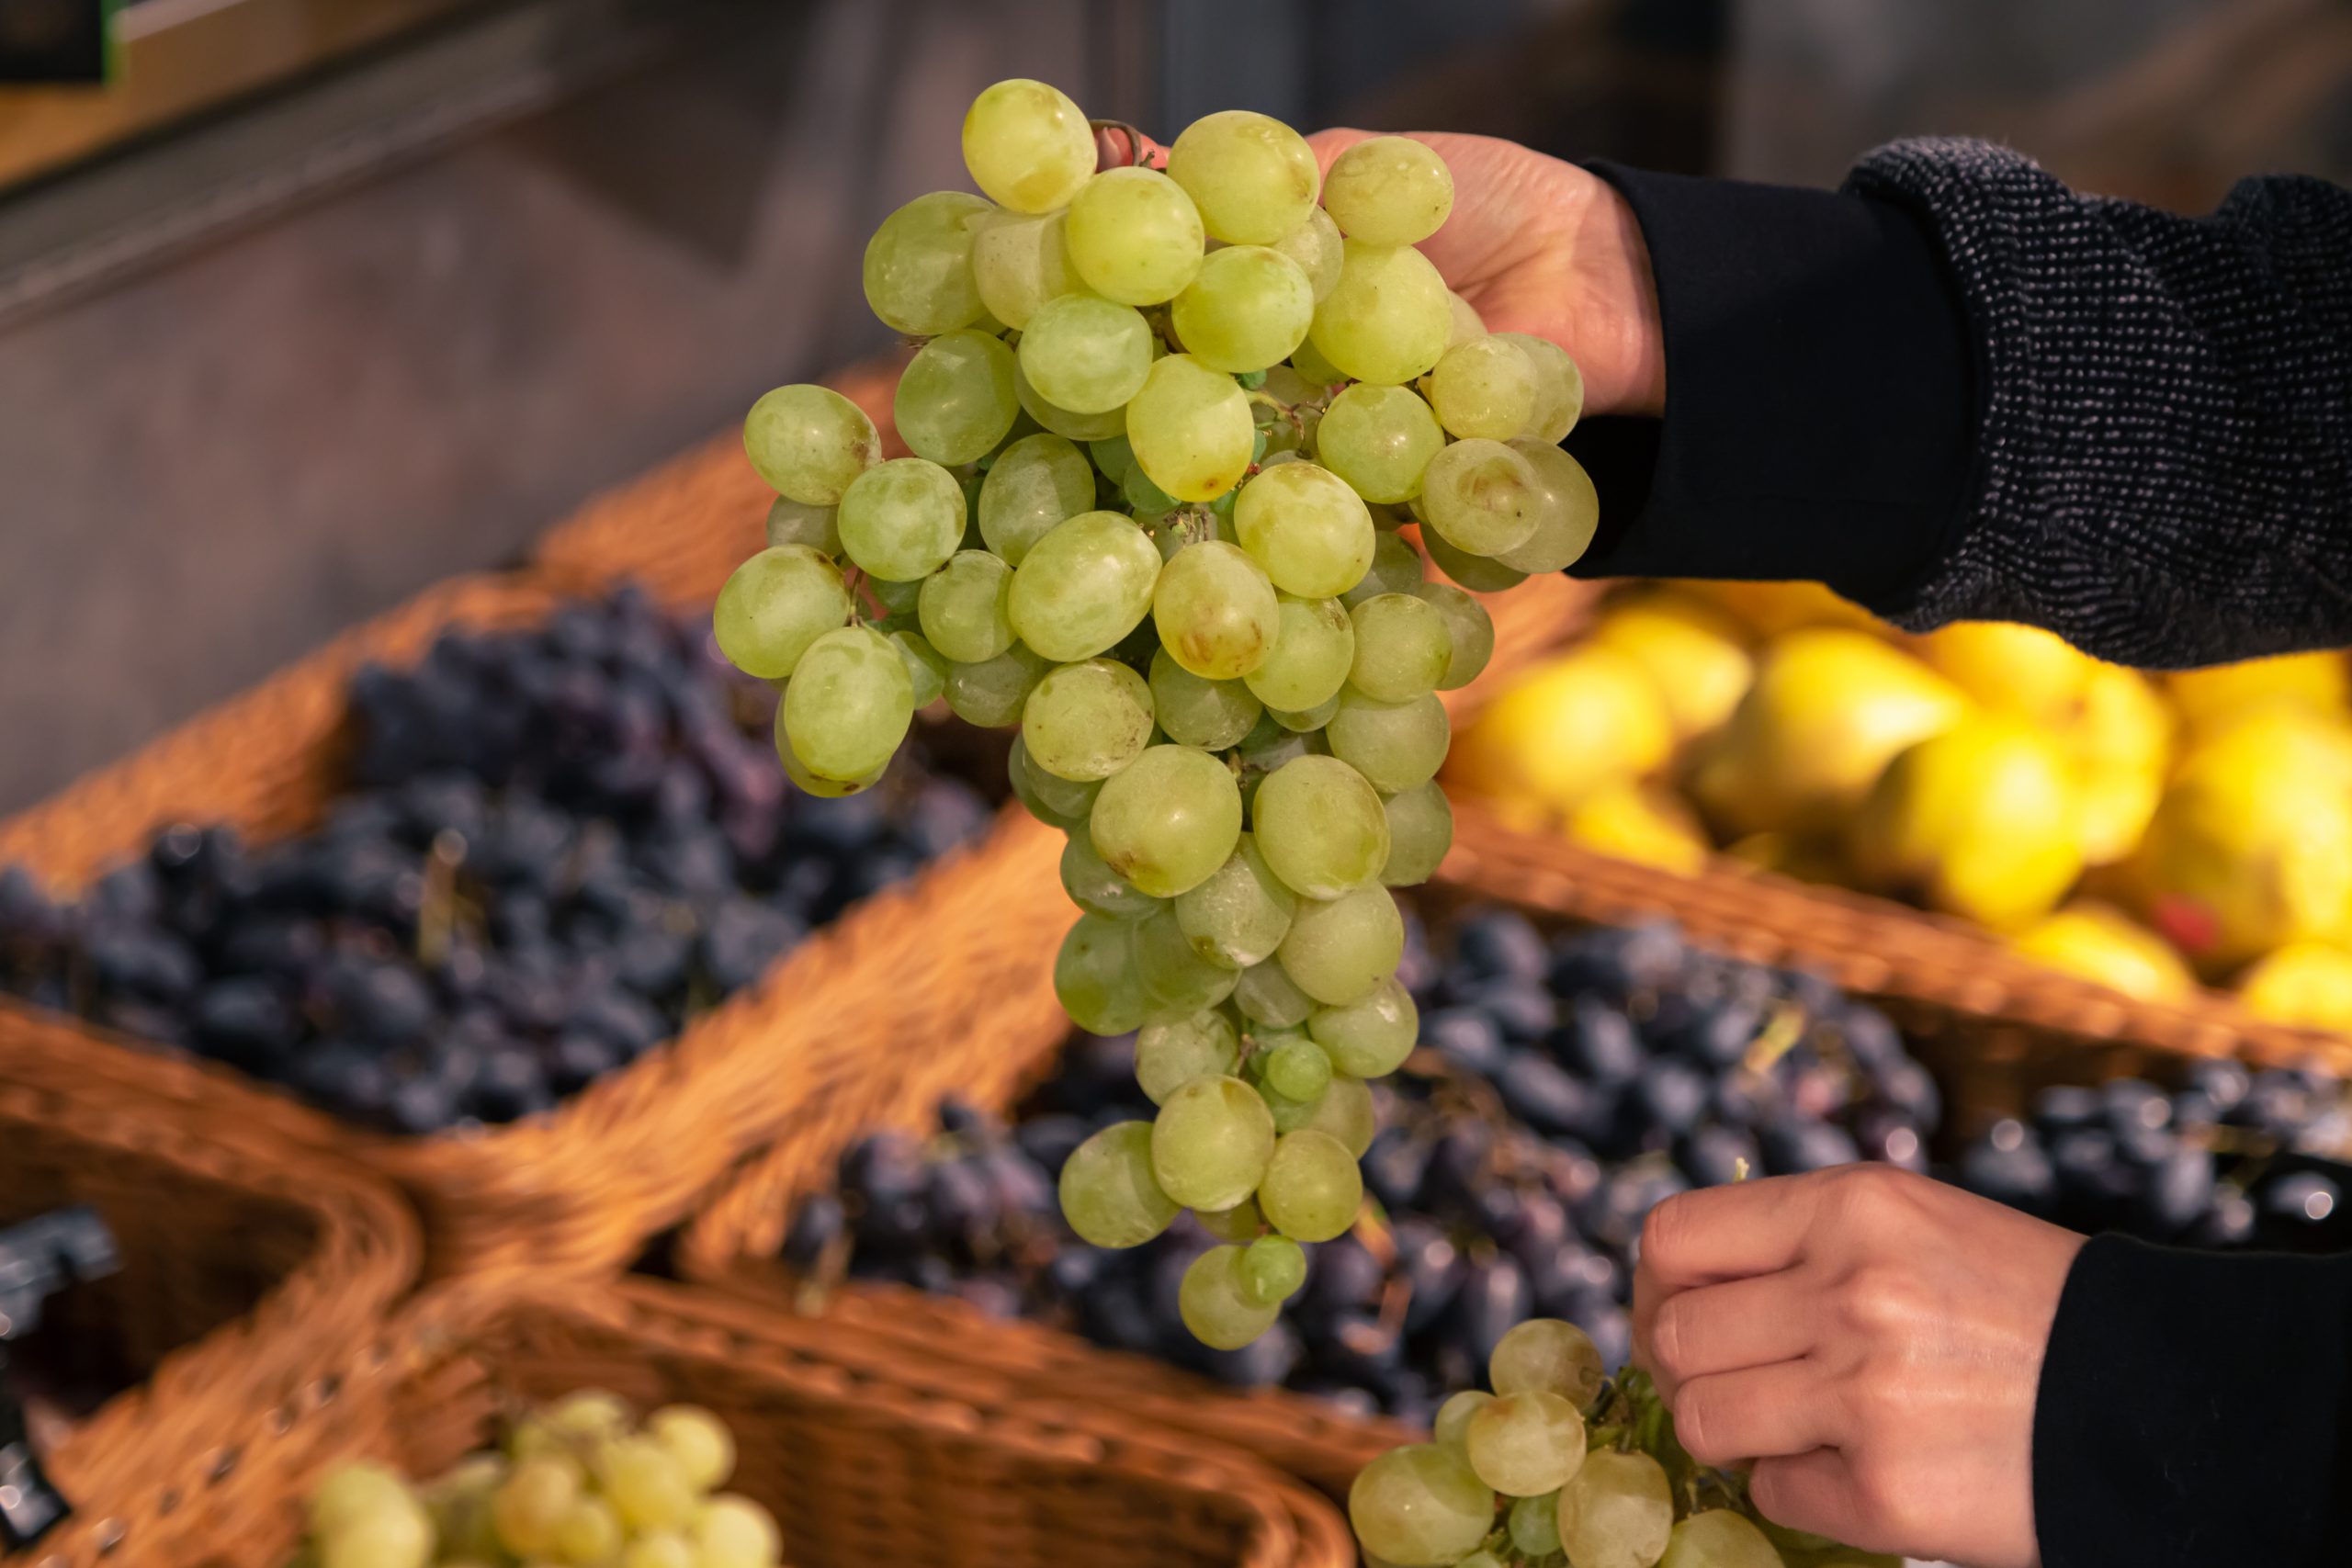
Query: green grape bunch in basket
1168, 426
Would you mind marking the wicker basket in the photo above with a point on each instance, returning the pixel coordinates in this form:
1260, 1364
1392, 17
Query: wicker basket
1988, 1054
250, 1267
865, 1453
582, 1187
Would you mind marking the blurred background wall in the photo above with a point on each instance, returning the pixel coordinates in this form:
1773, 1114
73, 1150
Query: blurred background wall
323, 300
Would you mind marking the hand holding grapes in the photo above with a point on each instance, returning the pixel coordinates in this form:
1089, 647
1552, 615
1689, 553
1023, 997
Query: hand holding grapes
1873, 1339
1538, 246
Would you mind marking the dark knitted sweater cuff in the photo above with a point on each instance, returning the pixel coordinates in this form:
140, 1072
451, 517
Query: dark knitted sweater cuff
1819, 403
2192, 1411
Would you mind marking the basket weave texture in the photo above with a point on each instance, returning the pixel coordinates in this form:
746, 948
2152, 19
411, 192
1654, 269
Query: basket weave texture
251, 1269
865, 1452
579, 1188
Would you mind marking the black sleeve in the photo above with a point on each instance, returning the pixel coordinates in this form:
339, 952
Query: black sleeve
2196, 1408
1956, 390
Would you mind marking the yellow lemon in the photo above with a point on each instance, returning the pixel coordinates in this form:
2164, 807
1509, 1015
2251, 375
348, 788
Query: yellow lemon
2100, 942
1977, 821
2304, 983
1777, 608
1696, 654
1641, 825
2314, 681
2013, 668
1567, 726
2239, 860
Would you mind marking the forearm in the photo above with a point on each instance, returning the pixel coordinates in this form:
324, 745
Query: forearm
2194, 1409
1958, 390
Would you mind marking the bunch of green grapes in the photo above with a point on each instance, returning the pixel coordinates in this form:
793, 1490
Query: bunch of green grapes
1560, 1466
1167, 427
578, 1483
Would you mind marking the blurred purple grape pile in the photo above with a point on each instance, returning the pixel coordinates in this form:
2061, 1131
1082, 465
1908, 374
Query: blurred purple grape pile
557, 846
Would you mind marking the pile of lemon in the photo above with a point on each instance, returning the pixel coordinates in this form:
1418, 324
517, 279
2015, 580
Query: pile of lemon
2148, 833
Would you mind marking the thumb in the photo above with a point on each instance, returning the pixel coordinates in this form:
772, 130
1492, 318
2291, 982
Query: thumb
1329, 144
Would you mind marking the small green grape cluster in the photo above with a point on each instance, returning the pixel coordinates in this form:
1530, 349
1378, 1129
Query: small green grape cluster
1153, 518
1560, 1467
578, 1483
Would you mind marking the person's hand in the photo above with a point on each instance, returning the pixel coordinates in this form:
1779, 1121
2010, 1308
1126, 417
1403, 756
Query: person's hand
1873, 1339
1540, 247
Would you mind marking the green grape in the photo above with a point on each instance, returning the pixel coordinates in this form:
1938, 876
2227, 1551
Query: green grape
1248, 308
1086, 354
1476, 573
397, 1536
1134, 236
962, 606
1035, 486
1524, 1445
1467, 322
1316, 247
989, 694
1314, 646
1396, 568
1216, 1304
660, 1549
459, 1504
1420, 1506
1211, 1143
735, 1532
646, 1486
1189, 429
1390, 190
1402, 647
589, 1534
1169, 821
1087, 721
849, 704
352, 1493
1618, 1512
1309, 531
812, 783
1109, 1194
1481, 1559
590, 1413
1311, 365
794, 523
1094, 888
1083, 586
1560, 389
1469, 631
1716, 1538
1241, 1224
1252, 178
1454, 1416
1547, 1354
1534, 1525
1482, 496
1271, 998
1290, 1115
926, 668
1027, 145
1059, 803
919, 266
532, 1502
1339, 949
1566, 516
1114, 457
697, 1439
1214, 611
1379, 439
1212, 715
903, 519
1397, 746
1319, 825
808, 442
1306, 721
1018, 264
1297, 1069
899, 597
1312, 1187
955, 401
1485, 387
1062, 422
1272, 1270
1420, 831
1371, 1036
1172, 1053
1386, 320
1176, 978
1094, 977
1239, 915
